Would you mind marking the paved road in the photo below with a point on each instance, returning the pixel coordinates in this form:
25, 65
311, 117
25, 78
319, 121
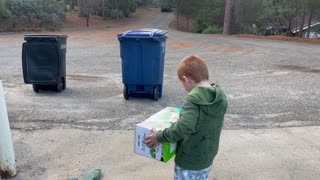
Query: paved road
269, 84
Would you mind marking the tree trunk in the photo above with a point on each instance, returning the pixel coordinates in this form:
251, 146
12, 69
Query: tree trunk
177, 21
187, 24
289, 29
227, 18
309, 23
81, 8
88, 16
296, 35
302, 23
103, 4
72, 5
13, 22
65, 5
297, 17
234, 23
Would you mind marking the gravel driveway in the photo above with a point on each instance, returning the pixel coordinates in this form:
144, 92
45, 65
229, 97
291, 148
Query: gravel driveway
269, 84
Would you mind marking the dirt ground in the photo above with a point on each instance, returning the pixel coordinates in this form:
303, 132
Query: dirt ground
269, 84
278, 38
72, 20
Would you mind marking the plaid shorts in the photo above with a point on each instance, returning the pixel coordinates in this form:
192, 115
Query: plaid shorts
183, 174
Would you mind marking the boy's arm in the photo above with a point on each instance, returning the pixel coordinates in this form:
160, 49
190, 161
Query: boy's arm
185, 126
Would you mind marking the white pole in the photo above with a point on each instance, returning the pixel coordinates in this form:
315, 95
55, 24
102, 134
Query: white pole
7, 158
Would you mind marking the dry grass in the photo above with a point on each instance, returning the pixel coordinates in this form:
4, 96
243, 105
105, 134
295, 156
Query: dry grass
279, 38
179, 44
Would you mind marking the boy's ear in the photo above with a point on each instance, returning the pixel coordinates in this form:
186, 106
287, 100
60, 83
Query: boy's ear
184, 78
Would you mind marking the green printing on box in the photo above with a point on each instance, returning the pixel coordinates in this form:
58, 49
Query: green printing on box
167, 154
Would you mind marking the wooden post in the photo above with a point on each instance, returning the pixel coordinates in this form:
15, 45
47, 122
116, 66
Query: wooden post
7, 158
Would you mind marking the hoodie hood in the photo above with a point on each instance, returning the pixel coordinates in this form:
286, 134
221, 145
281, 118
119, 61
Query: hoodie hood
206, 96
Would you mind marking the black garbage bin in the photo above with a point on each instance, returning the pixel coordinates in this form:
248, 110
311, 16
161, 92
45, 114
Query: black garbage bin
44, 61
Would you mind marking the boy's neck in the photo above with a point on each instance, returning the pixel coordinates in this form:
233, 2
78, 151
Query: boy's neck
203, 84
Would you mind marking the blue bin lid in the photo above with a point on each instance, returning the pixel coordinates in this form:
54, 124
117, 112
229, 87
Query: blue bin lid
144, 33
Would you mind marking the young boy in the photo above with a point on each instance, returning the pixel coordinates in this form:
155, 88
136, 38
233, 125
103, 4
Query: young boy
197, 132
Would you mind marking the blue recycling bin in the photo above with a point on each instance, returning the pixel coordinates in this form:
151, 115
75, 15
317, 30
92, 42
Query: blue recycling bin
142, 53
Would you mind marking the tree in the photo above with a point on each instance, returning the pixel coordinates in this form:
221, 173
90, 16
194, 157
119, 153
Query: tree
47, 11
303, 13
72, 5
228, 17
283, 13
4, 12
247, 17
65, 5
279, 13
88, 7
19, 8
204, 14
121, 8
81, 8
312, 6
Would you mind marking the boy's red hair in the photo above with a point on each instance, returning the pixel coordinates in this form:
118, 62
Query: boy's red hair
193, 67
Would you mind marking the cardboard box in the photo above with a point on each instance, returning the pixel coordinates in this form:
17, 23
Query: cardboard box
159, 121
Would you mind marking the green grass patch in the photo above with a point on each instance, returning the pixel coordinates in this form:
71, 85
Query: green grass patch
140, 12
213, 30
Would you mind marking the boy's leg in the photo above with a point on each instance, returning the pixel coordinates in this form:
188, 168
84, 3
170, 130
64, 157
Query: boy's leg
183, 174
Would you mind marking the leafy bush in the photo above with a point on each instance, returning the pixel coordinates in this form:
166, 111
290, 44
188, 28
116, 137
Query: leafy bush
127, 6
250, 29
121, 8
116, 13
213, 30
50, 11
199, 26
3, 10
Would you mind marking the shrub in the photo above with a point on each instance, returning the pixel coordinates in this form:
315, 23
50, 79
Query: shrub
51, 11
121, 8
250, 29
3, 10
116, 13
213, 29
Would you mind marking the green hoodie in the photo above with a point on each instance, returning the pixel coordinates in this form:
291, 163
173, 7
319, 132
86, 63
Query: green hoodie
197, 132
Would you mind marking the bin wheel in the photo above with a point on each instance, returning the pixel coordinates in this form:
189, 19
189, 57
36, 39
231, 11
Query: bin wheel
36, 88
125, 92
156, 93
64, 84
60, 85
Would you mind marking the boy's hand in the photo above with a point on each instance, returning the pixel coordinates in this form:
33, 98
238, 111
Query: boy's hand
151, 140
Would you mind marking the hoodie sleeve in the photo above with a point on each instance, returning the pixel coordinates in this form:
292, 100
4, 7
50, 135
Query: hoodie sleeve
183, 127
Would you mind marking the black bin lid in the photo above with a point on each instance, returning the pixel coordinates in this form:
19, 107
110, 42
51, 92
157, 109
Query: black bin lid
44, 37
